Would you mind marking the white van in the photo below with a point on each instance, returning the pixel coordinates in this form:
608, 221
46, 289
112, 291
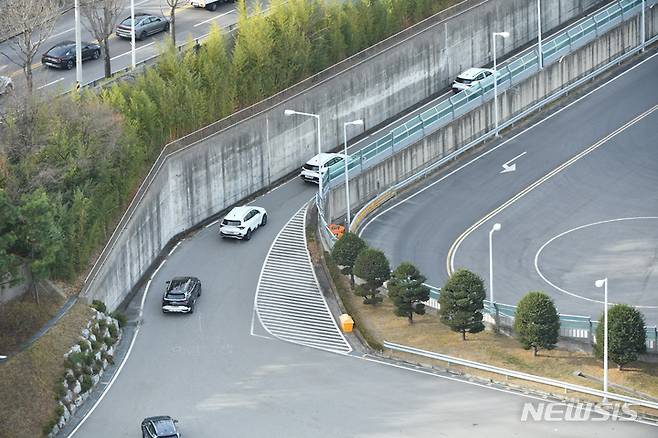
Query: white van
311, 170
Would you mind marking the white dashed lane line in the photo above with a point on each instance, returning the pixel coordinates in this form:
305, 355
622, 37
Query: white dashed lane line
289, 302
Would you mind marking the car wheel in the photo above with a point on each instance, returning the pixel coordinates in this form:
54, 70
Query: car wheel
96, 54
166, 28
212, 7
142, 36
248, 235
263, 221
69, 64
191, 309
199, 292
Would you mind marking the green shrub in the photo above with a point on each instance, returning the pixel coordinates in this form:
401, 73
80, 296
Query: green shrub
84, 346
48, 427
120, 317
86, 383
60, 391
77, 372
59, 410
74, 359
89, 358
70, 379
99, 305
114, 332
102, 324
95, 346
108, 341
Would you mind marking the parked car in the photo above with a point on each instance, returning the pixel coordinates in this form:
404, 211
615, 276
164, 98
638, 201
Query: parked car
469, 78
160, 427
311, 170
145, 25
6, 85
241, 222
210, 5
62, 55
181, 294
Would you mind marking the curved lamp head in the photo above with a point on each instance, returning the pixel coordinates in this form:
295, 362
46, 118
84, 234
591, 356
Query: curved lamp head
600, 283
496, 227
289, 112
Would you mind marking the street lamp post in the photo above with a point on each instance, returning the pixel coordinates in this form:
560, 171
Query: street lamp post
78, 46
604, 283
347, 179
495, 74
642, 35
540, 53
496, 227
290, 112
133, 50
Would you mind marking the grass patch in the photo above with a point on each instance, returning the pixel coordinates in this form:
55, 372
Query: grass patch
29, 378
21, 318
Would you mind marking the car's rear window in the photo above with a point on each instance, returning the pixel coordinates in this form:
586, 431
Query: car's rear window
127, 21
231, 223
311, 167
59, 50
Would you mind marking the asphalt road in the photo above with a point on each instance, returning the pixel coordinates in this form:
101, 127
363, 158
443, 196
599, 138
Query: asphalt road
209, 371
190, 22
557, 222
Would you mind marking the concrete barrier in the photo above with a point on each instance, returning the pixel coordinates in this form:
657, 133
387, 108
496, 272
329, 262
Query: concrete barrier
222, 164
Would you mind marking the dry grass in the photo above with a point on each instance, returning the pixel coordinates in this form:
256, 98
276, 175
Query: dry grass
428, 333
28, 378
21, 318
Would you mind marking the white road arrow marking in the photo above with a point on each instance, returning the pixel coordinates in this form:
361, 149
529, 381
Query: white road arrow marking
507, 167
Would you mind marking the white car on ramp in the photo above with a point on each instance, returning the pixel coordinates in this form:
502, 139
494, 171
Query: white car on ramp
241, 222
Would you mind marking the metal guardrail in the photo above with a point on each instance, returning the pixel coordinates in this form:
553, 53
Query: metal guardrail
432, 119
571, 326
519, 375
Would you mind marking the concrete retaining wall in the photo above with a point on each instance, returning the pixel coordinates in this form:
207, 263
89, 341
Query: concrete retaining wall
373, 181
197, 180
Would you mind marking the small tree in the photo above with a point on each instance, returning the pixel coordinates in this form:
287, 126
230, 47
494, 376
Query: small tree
101, 19
407, 291
345, 252
626, 335
462, 301
372, 266
173, 5
536, 322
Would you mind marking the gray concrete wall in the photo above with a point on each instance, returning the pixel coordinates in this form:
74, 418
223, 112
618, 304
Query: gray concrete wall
200, 179
430, 149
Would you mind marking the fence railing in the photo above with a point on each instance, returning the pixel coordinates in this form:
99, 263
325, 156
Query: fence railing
432, 119
565, 386
577, 327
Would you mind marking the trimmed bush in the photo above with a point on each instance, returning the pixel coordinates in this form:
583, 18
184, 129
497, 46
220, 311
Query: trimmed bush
536, 322
462, 301
120, 317
626, 335
114, 332
108, 341
95, 345
86, 383
84, 346
99, 305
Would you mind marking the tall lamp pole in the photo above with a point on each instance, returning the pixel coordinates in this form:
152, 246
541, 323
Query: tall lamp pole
347, 178
495, 228
604, 283
290, 112
541, 54
133, 50
78, 47
495, 72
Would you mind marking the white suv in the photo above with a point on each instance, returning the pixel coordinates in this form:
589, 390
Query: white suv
241, 222
469, 78
311, 170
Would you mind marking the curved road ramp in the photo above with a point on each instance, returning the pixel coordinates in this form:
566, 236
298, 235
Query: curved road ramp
289, 302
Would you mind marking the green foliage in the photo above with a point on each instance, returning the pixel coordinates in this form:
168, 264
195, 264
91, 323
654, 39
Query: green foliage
112, 329
99, 305
407, 291
8, 220
626, 335
462, 301
345, 252
59, 410
372, 266
120, 317
86, 383
536, 322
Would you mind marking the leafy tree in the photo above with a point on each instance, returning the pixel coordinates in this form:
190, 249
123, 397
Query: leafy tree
462, 301
8, 218
372, 266
215, 73
345, 252
39, 235
407, 291
536, 322
626, 335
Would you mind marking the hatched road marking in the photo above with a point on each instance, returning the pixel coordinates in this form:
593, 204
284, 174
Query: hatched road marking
289, 302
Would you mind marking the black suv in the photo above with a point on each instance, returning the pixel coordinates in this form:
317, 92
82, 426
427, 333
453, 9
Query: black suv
181, 295
160, 427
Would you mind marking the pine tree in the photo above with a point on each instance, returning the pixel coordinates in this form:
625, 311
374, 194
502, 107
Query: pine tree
462, 301
372, 266
345, 252
536, 322
407, 291
626, 335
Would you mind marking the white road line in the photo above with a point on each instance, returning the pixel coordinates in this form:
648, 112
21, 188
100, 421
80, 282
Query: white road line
576, 229
50, 83
484, 154
214, 18
2, 67
142, 2
211, 224
128, 52
61, 33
